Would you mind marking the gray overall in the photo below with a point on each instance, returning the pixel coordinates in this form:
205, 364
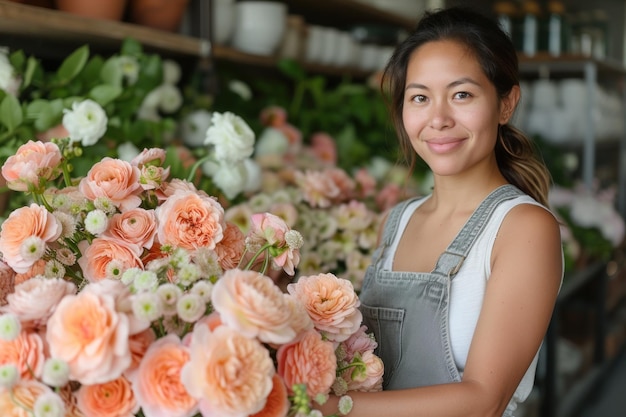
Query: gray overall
408, 311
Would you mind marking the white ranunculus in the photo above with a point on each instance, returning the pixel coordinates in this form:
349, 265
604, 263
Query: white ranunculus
86, 122
231, 178
253, 174
127, 151
170, 98
194, 127
272, 142
171, 72
232, 138
129, 67
8, 81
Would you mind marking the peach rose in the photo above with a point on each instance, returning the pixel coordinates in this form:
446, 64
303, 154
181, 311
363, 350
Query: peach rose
318, 188
252, 304
89, 334
136, 226
157, 383
26, 352
366, 183
230, 249
34, 301
332, 304
229, 373
114, 179
309, 360
18, 401
190, 220
32, 165
152, 156
371, 379
138, 345
96, 257
109, 399
23, 223
277, 404
173, 186
324, 148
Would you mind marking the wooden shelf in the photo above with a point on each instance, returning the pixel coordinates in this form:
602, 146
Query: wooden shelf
566, 63
49, 24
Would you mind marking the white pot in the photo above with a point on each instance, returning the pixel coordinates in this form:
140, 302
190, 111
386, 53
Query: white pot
259, 26
223, 20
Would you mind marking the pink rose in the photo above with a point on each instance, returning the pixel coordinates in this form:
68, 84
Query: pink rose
26, 352
32, 165
88, 332
267, 228
332, 303
318, 188
190, 220
229, 373
34, 301
388, 196
22, 224
359, 342
366, 183
96, 257
113, 398
252, 304
309, 360
157, 383
273, 116
136, 227
324, 148
114, 179
152, 156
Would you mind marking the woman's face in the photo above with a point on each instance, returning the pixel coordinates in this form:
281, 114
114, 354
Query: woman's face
451, 110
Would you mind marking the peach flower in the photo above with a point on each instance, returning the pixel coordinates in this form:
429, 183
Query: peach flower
343, 181
190, 220
252, 304
109, 399
26, 352
371, 379
38, 268
358, 342
176, 184
32, 165
23, 223
157, 383
34, 301
96, 257
319, 189
324, 148
230, 249
71, 403
89, 334
229, 373
138, 345
366, 183
332, 304
136, 226
7, 282
152, 156
277, 404
309, 360
114, 179
18, 401
273, 116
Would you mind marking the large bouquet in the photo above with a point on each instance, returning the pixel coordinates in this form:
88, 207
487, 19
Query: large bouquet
129, 293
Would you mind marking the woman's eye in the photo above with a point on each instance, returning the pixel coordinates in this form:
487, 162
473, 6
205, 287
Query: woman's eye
419, 98
462, 95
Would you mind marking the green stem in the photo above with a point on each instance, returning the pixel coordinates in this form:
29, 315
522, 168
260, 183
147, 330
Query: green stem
256, 255
197, 165
298, 96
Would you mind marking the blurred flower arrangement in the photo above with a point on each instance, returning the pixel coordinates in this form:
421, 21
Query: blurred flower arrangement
127, 292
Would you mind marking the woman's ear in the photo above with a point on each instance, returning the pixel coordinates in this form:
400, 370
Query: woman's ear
508, 104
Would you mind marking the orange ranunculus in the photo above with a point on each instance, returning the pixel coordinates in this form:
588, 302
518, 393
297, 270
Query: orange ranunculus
229, 373
96, 257
114, 179
332, 304
33, 163
109, 399
252, 304
23, 223
157, 383
89, 334
230, 249
18, 401
26, 352
136, 226
309, 360
277, 404
190, 220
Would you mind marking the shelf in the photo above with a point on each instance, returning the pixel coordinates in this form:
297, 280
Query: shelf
566, 63
49, 24
573, 282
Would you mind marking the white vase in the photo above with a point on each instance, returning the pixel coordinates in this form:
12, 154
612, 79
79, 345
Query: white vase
222, 20
259, 26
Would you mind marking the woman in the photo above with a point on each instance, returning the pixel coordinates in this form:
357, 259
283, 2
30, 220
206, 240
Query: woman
462, 287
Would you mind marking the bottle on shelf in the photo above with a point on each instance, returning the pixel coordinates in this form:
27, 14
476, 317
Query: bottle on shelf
506, 12
554, 29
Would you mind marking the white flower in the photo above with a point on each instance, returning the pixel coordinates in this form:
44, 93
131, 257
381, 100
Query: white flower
96, 222
254, 175
232, 138
54, 269
8, 81
194, 127
190, 307
147, 306
9, 376
129, 67
241, 89
145, 281
272, 142
345, 405
203, 288
170, 98
294, 239
188, 274
129, 275
86, 122
32, 248
10, 327
171, 72
49, 404
231, 178
169, 295
56, 372
127, 151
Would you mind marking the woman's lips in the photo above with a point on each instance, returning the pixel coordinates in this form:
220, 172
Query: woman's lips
444, 145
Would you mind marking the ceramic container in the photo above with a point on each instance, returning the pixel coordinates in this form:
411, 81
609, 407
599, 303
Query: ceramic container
259, 26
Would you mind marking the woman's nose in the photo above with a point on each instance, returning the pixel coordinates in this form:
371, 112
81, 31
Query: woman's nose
440, 117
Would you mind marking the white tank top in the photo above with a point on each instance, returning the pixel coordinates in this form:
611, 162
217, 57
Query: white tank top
468, 289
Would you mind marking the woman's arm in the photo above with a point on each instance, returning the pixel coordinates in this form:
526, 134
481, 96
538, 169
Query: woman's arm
526, 272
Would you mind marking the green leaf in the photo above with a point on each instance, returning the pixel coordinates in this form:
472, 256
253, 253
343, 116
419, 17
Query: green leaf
32, 65
292, 69
131, 47
104, 94
17, 60
111, 72
73, 64
11, 112
44, 114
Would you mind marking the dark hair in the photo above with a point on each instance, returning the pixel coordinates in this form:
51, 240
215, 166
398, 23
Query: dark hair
516, 154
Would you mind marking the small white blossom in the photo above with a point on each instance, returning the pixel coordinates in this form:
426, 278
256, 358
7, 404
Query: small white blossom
194, 127
96, 222
231, 178
129, 67
203, 288
271, 142
294, 239
9, 375
66, 256
170, 98
171, 72
114, 269
8, 81
105, 204
169, 294
146, 281
188, 274
86, 122
54, 269
231, 137
32, 248
190, 307
68, 223
345, 405
129, 275
49, 404
10, 327
56, 372
147, 306
241, 89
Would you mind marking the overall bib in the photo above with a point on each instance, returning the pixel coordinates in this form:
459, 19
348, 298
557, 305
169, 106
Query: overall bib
408, 311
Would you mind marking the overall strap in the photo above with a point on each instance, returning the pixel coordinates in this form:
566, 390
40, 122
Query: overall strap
392, 223
451, 260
